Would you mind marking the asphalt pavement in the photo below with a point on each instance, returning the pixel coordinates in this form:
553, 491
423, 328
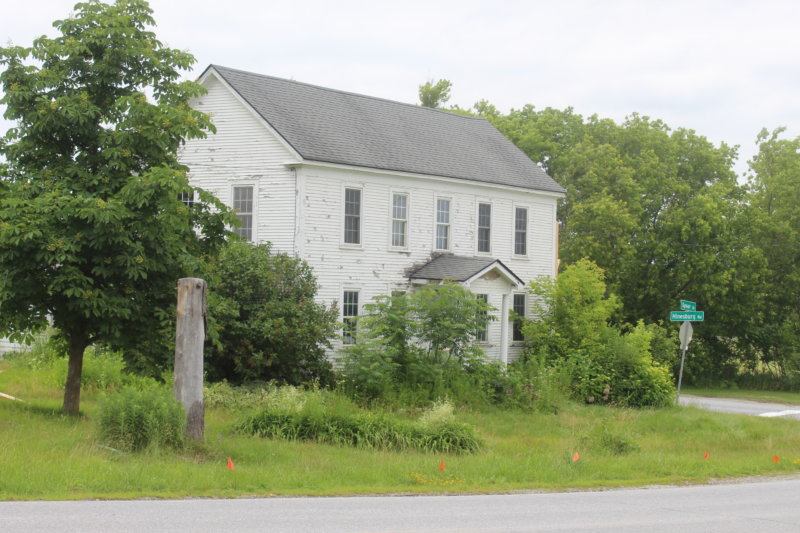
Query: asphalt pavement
752, 507
744, 407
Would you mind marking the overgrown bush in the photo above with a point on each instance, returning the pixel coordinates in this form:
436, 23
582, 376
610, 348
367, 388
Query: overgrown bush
134, 420
297, 415
572, 332
418, 344
264, 322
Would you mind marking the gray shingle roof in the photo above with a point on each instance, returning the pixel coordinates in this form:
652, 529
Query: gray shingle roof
456, 268
332, 126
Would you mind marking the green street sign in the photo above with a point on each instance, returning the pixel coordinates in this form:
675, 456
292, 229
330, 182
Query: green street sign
690, 316
686, 305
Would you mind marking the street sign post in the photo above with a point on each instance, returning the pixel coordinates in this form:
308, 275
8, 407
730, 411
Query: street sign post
685, 336
691, 316
687, 315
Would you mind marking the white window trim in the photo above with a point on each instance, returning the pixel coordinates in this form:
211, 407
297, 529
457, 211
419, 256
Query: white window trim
514, 253
492, 225
407, 194
359, 308
436, 223
254, 214
342, 215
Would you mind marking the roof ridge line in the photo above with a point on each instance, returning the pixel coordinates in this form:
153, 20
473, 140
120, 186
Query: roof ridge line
351, 93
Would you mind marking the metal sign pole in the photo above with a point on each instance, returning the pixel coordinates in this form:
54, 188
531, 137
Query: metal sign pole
680, 375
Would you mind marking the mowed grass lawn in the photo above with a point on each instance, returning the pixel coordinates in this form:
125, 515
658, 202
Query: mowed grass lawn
45, 455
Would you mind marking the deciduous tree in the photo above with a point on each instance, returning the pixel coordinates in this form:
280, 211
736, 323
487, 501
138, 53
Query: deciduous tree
93, 235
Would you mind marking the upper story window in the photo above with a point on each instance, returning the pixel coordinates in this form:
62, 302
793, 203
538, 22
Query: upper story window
484, 227
399, 220
349, 314
483, 319
352, 216
519, 319
521, 231
442, 224
243, 207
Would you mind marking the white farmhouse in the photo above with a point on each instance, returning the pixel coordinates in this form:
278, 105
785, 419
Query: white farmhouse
378, 196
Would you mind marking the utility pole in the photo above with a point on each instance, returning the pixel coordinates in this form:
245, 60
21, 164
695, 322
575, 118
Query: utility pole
190, 333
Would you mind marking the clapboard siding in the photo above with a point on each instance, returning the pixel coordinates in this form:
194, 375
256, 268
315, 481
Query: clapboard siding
374, 269
244, 152
8, 346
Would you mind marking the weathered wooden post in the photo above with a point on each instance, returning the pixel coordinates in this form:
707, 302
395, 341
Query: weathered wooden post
190, 333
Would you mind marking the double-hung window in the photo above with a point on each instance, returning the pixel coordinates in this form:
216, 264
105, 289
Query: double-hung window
519, 317
243, 207
484, 227
442, 223
399, 220
352, 216
483, 319
187, 198
349, 316
521, 231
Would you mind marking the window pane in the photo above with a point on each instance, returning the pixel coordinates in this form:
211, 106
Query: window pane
442, 234
352, 202
483, 317
484, 215
484, 227
243, 199
521, 231
349, 314
484, 244
399, 206
442, 211
519, 311
398, 233
352, 216
245, 231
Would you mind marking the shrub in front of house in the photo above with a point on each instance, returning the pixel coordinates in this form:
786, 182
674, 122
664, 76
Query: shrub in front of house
573, 333
264, 323
137, 419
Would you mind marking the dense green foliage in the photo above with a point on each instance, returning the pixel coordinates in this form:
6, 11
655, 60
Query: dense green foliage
264, 320
573, 331
420, 341
92, 232
434, 94
137, 419
663, 213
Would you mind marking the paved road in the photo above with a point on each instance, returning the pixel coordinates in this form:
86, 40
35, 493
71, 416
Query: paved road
752, 507
745, 407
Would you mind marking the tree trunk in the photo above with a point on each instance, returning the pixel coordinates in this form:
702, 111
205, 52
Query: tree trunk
72, 389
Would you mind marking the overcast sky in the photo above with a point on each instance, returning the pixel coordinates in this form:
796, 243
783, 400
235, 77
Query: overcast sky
723, 68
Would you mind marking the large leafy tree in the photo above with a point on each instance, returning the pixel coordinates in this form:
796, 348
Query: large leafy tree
775, 198
660, 210
93, 235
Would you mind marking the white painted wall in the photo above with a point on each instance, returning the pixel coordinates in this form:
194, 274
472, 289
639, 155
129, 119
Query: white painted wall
8, 346
244, 152
373, 268
300, 209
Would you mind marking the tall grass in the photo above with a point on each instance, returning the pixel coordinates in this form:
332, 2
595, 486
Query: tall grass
301, 416
49, 456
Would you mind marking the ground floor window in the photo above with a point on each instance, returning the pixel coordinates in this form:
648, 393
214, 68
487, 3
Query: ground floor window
519, 317
349, 316
483, 320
